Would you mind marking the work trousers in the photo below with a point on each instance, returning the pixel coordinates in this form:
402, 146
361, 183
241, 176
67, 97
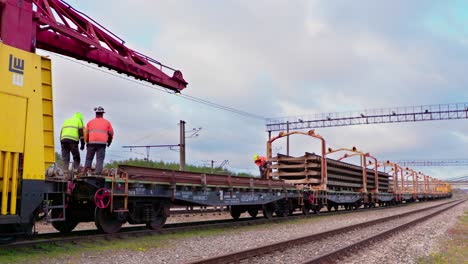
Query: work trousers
100, 151
263, 171
67, 147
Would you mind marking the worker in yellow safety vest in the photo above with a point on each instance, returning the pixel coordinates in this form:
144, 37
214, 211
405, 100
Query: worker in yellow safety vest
71, 134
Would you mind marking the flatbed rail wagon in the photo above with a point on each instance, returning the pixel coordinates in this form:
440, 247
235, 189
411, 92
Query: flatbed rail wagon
140, 195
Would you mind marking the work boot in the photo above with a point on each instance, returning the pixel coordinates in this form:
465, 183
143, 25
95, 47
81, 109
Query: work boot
84, 171
66, 175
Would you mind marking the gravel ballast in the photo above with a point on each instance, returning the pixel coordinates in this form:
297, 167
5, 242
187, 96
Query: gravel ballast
302, 253
408, 246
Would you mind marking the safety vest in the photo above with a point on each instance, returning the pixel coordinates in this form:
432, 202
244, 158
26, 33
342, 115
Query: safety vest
70, 128
99, 131
260, 161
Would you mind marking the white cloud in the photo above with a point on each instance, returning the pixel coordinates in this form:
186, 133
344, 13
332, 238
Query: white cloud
461, 136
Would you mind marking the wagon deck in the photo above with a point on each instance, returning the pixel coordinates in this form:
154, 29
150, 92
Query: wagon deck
195, 179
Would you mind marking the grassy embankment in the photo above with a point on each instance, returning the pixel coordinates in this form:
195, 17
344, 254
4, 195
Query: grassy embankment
454, 249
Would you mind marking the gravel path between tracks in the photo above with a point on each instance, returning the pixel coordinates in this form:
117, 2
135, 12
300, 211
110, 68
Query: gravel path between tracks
302, 253
407, 246
196, 247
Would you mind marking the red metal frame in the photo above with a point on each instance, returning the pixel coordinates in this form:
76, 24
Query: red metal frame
55, 26
432, 184
395, 169
411, 173
418, 175
426, 185
376, 172
363, 162
323, 161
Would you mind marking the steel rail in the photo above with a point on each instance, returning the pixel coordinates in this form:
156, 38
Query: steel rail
281, 246
331, 257
137, 231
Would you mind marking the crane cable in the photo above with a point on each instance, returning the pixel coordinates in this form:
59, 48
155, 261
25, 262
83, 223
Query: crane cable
161, 89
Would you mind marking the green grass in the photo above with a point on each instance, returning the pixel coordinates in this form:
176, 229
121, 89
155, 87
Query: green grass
454, 249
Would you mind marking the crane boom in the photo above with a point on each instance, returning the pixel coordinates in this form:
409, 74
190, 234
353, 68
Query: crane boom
56, 26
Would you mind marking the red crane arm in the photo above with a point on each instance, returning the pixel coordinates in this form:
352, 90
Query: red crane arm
55, 26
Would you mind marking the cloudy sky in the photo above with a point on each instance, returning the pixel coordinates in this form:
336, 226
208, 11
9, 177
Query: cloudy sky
273, 59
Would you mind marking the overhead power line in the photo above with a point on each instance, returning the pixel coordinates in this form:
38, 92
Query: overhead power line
148, 147
161, 89
433, 162
371, 116
222, 107
458, 179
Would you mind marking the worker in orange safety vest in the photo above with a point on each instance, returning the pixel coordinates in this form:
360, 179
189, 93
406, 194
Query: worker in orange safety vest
99, 133
261, 162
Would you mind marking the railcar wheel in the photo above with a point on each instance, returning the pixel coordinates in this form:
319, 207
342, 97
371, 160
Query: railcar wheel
357, 205
65, 226
253, 212
235, 214
161, 212
157, 223
317, 208
268, 210
106, 221
283, 208
305, 209
281, 213
291, 210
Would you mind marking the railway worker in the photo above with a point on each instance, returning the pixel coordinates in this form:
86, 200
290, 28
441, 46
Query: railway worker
71, 134
99, 133
261, 162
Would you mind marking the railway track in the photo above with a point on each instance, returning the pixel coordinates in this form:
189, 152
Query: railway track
138, 231
254, 254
